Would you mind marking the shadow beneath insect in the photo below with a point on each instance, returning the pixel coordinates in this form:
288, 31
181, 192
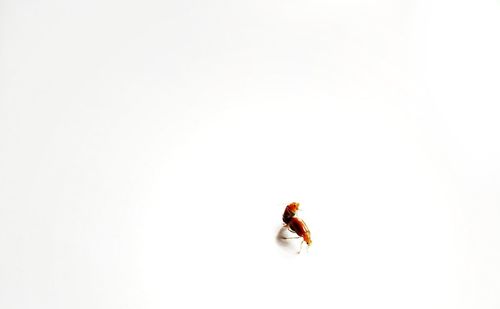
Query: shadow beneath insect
283, 241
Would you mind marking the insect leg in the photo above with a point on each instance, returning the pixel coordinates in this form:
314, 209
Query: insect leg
301, 243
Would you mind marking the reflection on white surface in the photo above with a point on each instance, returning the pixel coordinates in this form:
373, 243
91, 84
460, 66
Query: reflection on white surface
148, 151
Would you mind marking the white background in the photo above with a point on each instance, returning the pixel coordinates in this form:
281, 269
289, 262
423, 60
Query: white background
147, 151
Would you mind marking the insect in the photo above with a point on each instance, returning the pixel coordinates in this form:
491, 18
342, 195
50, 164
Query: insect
296, 225
290, 211
299, 227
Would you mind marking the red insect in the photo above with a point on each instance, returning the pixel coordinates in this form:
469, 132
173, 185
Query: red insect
290, 211
296, 225
299, 227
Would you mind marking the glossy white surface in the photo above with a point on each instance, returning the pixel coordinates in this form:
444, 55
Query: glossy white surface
147, 152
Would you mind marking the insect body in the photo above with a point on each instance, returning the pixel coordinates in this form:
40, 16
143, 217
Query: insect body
299, 227
290, 211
